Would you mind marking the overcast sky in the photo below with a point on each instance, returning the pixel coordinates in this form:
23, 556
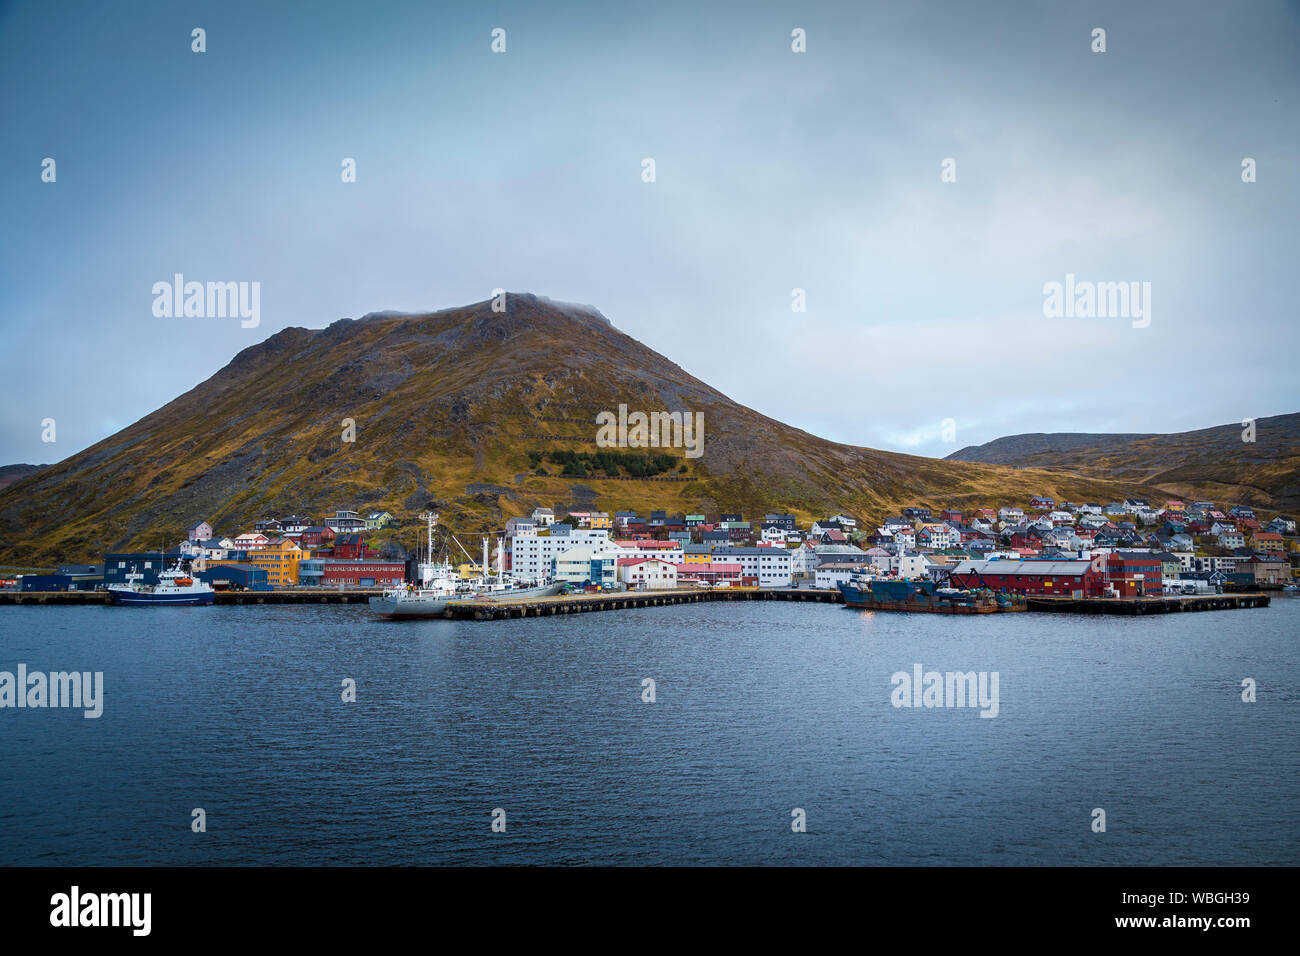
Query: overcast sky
775, 170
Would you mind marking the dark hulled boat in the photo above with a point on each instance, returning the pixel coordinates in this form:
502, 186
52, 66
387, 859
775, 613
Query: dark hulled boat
920, 596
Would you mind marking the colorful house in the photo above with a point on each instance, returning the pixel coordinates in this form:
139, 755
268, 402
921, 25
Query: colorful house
1268, 541
279, 558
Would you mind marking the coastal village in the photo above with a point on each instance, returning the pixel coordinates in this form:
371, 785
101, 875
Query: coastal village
1132, 548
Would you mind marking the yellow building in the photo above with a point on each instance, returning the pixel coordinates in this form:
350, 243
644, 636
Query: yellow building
280, 559
1269, 541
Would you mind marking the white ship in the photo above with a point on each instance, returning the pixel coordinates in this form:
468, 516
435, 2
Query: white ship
174, 587
439, 585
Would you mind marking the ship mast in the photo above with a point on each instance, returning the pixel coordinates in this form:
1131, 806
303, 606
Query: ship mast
431, 517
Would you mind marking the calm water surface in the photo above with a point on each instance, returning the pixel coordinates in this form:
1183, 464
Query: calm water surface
761, 708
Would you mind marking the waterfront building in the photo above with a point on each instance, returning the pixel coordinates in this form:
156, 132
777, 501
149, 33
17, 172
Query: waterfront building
366, 574
1069, 578
649, 574
226, 575
533, 556
771, 566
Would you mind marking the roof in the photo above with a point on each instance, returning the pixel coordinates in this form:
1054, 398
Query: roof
838, 549
1003, 566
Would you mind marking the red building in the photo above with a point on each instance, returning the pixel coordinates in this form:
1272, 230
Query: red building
365, 574
1135, 573
351, 547
314, 538
1069, 578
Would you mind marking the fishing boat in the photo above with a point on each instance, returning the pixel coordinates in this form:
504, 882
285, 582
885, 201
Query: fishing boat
439, 585
427, 599
514, 591
921, 596
174, 587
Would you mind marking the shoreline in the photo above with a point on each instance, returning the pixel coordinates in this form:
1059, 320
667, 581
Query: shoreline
481, 610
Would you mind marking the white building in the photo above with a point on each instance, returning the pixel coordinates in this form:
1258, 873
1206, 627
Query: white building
533, 556
585, 564
939, 537
543, 517
772, 566
913, 565
831, 575
647, 574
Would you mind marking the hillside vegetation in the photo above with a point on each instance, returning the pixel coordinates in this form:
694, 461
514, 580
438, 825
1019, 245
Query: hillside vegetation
474, 413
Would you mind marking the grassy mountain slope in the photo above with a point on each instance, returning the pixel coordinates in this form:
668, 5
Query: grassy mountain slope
12, 473
446, 408
1210, 463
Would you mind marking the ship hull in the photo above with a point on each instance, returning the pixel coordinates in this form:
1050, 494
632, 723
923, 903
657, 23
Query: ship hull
919, 607
125, 598
409, 608
515, 594
868, 601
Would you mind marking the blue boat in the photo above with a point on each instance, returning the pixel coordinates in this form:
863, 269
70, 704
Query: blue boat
174, 587
922, 596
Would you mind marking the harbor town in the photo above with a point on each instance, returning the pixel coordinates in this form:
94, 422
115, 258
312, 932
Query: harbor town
1040, 554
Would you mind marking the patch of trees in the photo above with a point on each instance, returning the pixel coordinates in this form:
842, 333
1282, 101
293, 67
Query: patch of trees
607, 462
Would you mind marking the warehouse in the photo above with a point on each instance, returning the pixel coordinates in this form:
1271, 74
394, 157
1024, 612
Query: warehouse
235, 577
362, 574
1068, 578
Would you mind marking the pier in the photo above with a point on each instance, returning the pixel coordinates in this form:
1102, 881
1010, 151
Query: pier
283, 596
1149, 605
617, 600
483, 610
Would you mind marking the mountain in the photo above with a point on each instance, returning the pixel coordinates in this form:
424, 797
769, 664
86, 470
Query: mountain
1213, 464
11, 473
447, 407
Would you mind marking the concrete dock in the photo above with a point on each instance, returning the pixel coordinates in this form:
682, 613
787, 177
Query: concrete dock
1149, 605
616, 600
283, 596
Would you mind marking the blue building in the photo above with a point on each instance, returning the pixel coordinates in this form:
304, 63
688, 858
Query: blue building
227, 576
147, 563
44, 582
